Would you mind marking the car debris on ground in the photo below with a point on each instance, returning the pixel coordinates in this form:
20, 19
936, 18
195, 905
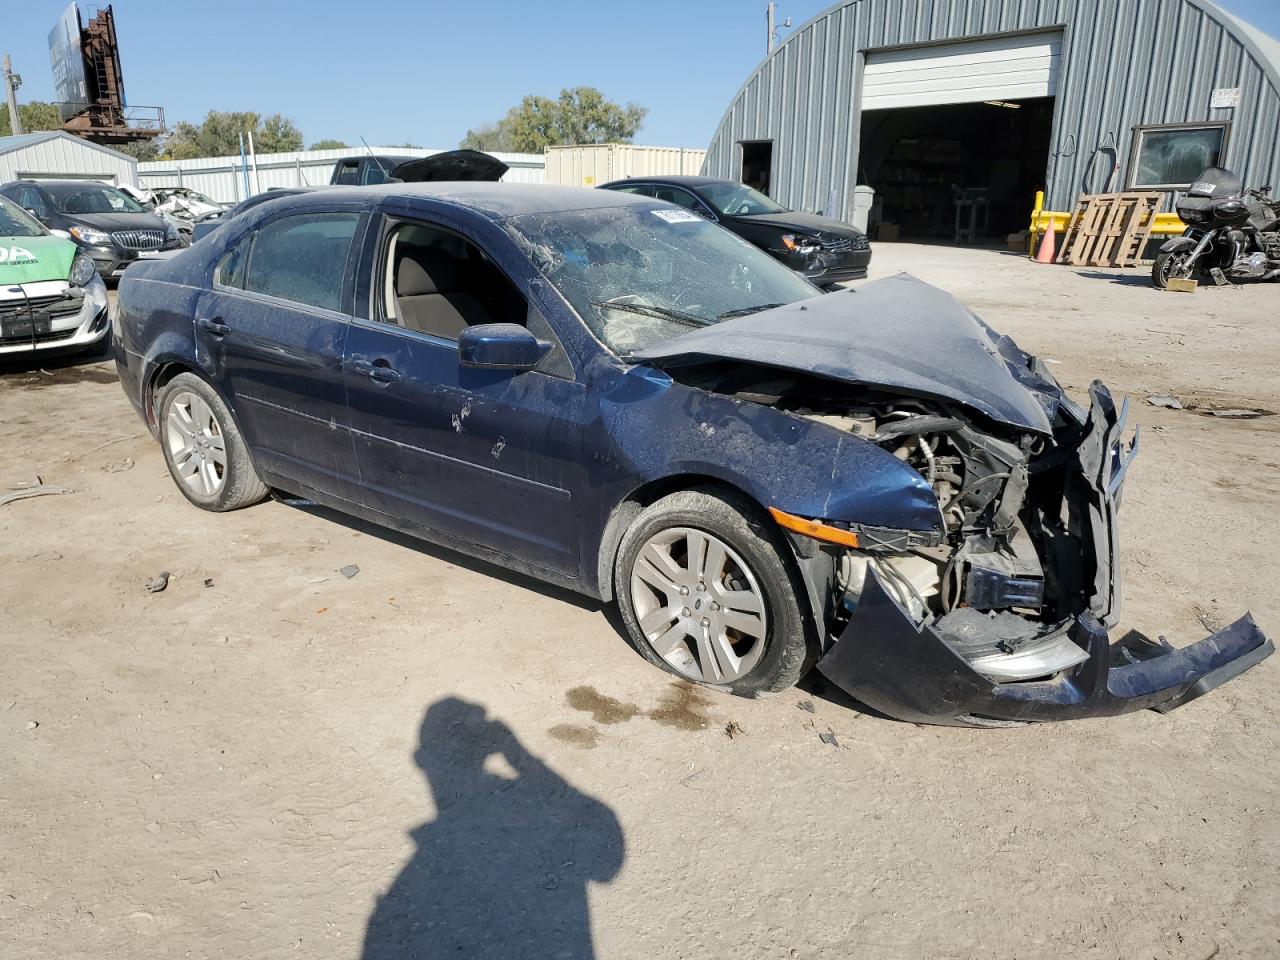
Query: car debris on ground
158, 583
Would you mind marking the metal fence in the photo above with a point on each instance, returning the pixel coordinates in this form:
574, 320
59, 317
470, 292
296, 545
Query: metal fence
223, 178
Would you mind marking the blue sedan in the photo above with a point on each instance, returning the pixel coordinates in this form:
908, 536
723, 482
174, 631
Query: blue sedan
611, 393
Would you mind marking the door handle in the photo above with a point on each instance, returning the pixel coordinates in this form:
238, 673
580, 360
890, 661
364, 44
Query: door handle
214, 326
378, 370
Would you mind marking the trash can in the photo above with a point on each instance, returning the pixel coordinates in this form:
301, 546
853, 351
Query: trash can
863, 198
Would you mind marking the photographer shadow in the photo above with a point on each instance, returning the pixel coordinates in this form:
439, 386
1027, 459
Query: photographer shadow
502, 871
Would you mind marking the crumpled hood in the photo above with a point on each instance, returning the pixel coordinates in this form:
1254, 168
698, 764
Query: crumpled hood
32, 259
896, 334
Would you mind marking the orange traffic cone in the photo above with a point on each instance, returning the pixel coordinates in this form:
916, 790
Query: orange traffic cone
1049, 245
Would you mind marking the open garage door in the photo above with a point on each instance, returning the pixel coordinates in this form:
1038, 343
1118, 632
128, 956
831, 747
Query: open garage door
955, 136
1019, 67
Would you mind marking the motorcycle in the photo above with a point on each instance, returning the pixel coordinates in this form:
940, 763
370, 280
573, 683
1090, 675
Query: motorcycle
1232, 234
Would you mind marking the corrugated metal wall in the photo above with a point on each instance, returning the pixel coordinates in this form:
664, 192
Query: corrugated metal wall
589, 165
222, 178
67, 157
1125, 63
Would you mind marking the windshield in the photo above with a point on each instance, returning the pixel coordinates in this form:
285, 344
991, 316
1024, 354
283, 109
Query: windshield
738, 200
16, 222
95, 200
641, 274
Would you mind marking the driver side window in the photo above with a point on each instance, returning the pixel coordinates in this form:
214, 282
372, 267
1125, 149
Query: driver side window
439, 283
683, 198
29, 198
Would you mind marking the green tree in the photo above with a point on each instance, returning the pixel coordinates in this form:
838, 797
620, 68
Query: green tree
490, 137
36, 115
329, 145
219, 135
140, 149
579, 115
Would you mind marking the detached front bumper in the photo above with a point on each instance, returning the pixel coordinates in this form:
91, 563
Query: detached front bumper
907, 670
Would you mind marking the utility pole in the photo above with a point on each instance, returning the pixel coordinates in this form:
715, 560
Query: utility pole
770, 17
12, 82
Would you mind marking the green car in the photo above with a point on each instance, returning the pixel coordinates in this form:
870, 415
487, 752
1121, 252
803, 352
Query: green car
51, 297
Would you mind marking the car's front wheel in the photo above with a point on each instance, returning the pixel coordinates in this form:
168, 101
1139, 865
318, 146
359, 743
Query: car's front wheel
203, 448
707, 591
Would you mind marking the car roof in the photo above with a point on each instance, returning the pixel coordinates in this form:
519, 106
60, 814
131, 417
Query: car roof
58, 185
677, 180
496, 201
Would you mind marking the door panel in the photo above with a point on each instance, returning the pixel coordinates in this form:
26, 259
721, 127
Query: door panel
280, 365
489, 457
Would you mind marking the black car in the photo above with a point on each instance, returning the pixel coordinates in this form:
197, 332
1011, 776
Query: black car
365, 170
826, 251
106, 223
451, 165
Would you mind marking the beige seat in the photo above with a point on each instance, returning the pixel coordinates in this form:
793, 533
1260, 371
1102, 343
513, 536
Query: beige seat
427, 299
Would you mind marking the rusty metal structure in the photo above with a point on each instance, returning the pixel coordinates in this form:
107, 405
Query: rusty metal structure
104, 115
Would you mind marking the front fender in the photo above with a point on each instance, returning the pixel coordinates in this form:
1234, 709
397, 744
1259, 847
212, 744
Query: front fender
661, 428
1178, 243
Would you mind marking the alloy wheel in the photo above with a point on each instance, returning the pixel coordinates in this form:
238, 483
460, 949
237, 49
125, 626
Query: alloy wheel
698, 605
197, 448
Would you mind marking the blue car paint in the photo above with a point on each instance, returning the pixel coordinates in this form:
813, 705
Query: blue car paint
528, 467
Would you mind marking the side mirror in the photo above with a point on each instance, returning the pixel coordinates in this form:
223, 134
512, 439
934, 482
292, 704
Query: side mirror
501, 346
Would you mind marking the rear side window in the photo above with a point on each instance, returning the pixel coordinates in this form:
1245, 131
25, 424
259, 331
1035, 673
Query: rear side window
230, 271
303, 258
643, 189
348, 172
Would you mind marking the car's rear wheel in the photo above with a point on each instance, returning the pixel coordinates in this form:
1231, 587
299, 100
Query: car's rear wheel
707, 591
202, 445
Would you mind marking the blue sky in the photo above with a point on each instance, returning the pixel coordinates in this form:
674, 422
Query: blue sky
425, 70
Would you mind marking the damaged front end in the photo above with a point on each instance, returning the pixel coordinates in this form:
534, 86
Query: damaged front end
1006, 621
997, 609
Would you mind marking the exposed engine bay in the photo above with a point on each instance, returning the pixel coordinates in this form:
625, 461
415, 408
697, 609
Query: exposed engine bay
968, 574
1012, 567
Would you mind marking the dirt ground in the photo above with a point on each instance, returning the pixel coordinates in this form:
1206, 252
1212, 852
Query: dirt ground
243, 764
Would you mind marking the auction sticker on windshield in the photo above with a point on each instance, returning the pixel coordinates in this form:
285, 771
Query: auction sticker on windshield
676, 216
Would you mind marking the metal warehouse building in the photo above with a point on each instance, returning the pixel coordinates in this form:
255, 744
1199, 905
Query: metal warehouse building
55, 154
930, 100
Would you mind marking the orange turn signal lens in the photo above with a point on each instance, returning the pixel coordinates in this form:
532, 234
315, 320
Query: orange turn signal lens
812, 528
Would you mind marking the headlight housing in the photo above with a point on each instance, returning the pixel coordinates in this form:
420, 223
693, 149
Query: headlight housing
798, 243
82, 271
95, 238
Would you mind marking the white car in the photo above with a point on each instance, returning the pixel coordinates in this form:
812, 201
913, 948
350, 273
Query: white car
51, 297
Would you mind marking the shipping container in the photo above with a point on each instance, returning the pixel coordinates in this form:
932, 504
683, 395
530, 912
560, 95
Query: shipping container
590, 165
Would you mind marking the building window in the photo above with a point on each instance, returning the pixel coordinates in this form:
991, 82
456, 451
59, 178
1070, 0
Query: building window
1172, 157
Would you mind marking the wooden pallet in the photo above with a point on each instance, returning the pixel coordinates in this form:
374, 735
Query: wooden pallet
1110, 230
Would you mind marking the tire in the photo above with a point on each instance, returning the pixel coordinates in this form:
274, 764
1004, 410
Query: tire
689, 628
196, 431
1166, 263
